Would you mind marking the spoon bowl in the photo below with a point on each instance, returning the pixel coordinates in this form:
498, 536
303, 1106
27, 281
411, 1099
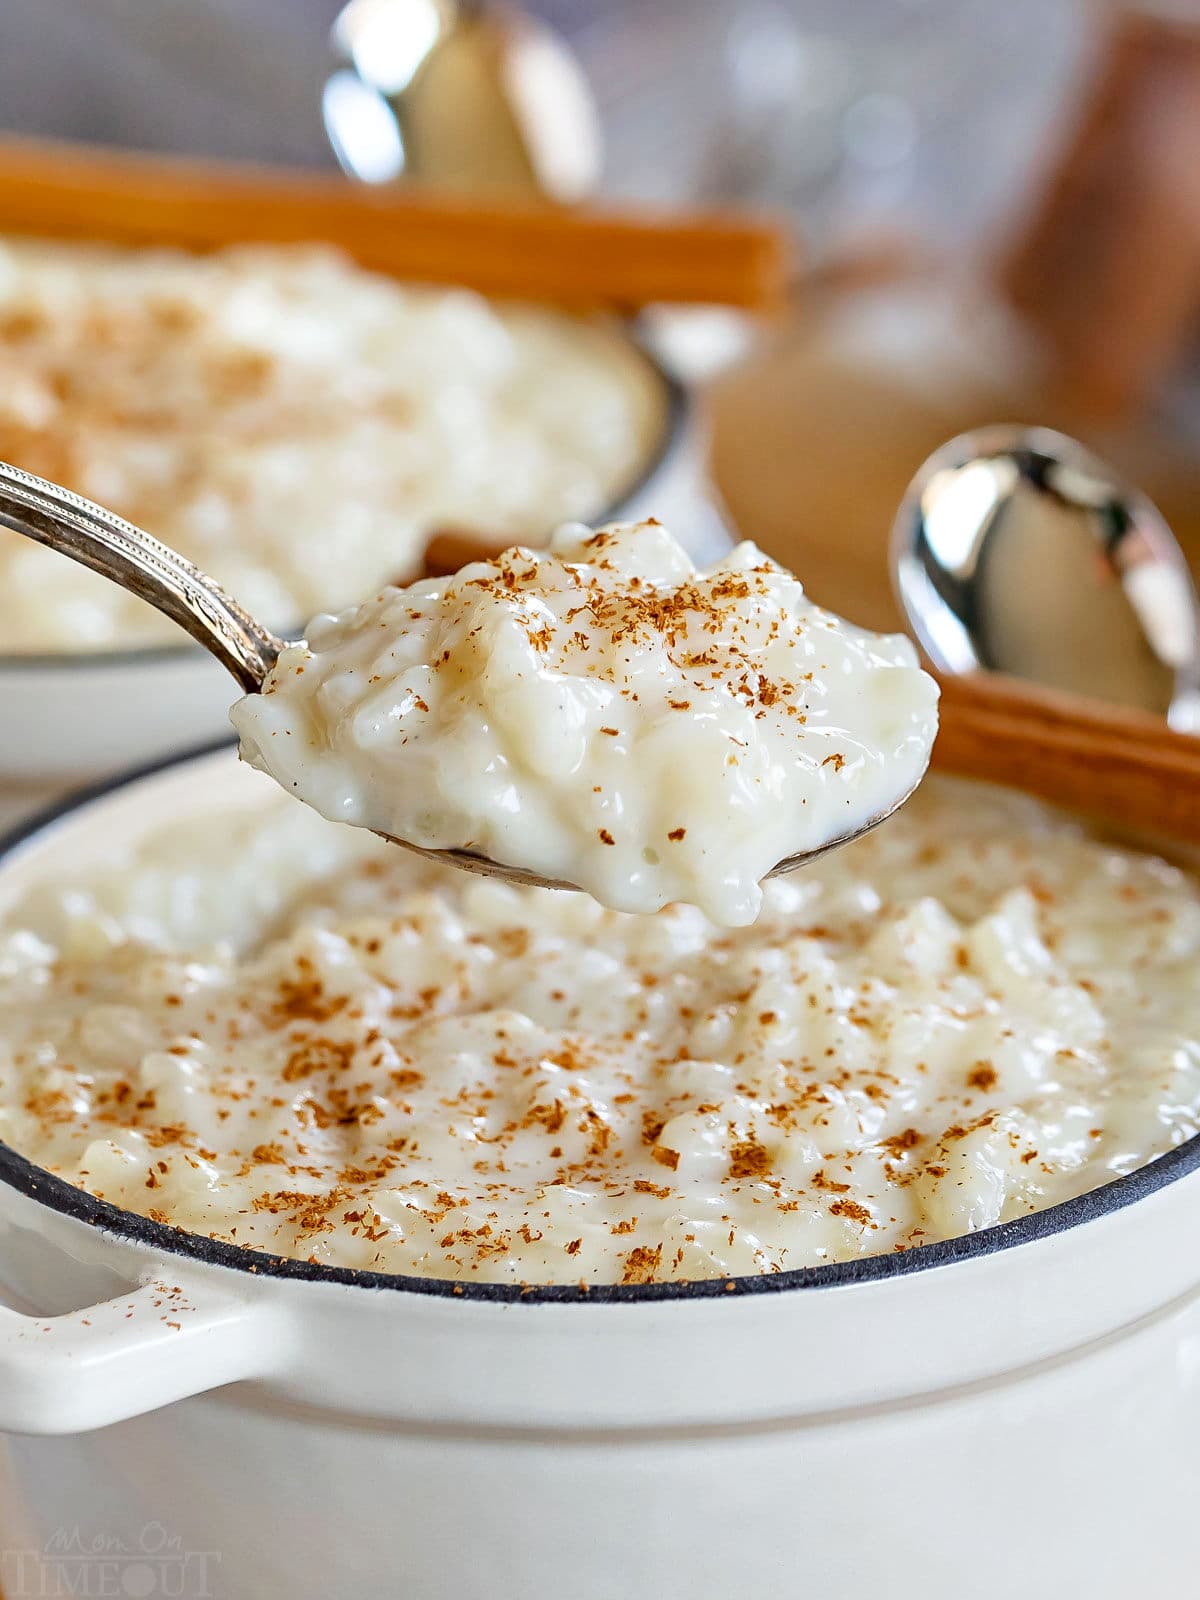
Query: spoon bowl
485, 100
1016, 550
470, 861
99, 539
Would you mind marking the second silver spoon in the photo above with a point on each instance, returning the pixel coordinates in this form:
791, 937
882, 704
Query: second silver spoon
1016, 550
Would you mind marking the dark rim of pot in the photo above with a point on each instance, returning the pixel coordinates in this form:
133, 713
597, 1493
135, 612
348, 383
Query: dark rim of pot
676, 412
59, 1195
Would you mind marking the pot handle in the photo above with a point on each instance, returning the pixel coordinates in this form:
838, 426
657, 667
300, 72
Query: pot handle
143, 1349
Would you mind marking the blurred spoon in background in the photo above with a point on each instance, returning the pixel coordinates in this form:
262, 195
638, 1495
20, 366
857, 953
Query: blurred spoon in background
1016, 550
462, 95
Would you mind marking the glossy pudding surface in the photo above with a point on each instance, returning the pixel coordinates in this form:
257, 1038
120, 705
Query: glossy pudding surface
603, 714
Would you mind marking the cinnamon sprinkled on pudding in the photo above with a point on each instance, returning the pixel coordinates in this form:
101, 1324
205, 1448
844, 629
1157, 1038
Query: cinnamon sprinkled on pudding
291, 423
603, 714
970, 1014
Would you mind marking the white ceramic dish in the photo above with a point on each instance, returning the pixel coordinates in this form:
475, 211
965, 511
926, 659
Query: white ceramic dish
73, 718
1011, 1413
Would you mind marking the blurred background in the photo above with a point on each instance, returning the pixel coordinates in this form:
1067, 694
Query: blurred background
923, 114
997, 207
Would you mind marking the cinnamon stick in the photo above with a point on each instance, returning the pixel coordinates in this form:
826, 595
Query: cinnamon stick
448, 549
617, 258
1123, 767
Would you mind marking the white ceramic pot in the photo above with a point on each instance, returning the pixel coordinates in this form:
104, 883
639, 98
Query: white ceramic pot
1014, 1413
74, 718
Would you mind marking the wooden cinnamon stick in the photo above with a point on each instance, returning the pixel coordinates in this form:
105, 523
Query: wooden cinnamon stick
448, 549
1123, 767
623, 259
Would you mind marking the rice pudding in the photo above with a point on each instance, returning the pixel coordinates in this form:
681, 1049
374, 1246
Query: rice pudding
293, 1037
294, 425
602, 714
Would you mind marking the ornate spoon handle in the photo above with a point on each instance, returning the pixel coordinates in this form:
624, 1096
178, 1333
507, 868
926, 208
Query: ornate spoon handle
68, 523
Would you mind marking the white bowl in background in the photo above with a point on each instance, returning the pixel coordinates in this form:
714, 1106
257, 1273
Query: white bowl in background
1011, 1413
71, 718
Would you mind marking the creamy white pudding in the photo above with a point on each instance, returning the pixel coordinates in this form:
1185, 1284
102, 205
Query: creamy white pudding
294, 425
603, 714
298, 1039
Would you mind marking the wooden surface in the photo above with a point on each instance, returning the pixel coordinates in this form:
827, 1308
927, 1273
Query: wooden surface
618, 258
817, 435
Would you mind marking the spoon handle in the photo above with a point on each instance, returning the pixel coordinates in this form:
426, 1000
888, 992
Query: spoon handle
73, 526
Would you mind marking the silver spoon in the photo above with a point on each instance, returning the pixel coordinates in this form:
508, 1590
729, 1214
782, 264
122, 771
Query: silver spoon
1016, 550
96, 538
469, 96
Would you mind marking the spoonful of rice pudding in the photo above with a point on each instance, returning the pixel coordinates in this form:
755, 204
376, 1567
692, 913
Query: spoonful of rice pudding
601, 715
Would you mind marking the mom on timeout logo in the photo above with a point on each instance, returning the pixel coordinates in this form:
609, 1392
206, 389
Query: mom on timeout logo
107, 1566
